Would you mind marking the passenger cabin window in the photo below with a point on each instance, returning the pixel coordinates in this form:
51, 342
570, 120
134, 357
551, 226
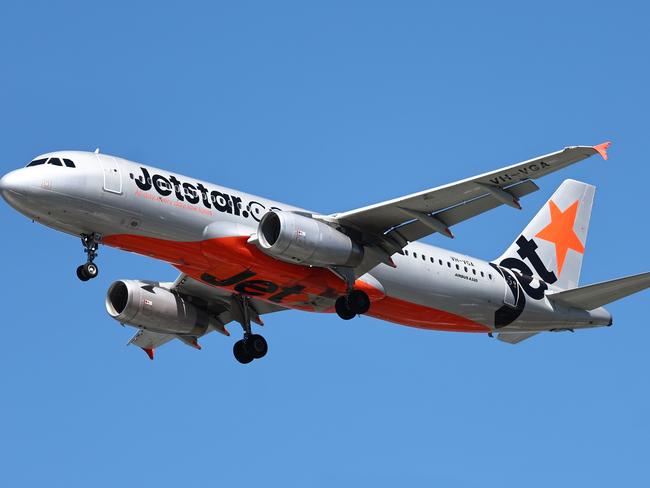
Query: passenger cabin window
36, 162
424, 258
55, 162
440, 262
69, 163
415, 255
406, 253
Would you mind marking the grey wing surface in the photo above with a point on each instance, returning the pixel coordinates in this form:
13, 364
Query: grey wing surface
388, 226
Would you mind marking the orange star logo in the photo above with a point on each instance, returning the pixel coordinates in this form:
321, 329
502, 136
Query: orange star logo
560, 232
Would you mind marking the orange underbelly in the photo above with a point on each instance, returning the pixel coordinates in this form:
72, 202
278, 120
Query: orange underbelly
230, 263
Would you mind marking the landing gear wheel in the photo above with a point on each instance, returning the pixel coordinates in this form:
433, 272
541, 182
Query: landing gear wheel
81, 273
90, 243
256, 345
241, 352
342, 309
91, 270
358, 302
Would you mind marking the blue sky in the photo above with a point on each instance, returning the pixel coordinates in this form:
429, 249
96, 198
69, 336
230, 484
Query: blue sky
329, 106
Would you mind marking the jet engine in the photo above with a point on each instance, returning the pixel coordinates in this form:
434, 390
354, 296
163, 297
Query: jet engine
149, 306
298, 239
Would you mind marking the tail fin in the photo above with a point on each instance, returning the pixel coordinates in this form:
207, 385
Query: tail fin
551, 247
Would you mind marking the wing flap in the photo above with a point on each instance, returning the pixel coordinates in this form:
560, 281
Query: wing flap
515, 337
591, 297
149, 341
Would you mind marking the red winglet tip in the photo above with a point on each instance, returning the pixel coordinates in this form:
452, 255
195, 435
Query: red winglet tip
149, 352
602, 149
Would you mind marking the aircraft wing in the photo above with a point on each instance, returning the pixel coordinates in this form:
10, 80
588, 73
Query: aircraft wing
215, 301
388, 226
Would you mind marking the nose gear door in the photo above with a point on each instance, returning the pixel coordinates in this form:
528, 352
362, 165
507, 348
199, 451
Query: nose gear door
112, 173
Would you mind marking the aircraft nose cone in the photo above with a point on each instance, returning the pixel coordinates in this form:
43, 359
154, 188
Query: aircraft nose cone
10, 182
14, 186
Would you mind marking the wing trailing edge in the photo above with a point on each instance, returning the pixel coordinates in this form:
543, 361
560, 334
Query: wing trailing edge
515, 337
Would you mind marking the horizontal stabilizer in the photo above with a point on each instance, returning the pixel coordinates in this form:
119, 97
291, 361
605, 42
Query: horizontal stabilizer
515, 337
594, 296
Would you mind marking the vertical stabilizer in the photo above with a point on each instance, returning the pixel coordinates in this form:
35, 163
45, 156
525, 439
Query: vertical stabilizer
552, 246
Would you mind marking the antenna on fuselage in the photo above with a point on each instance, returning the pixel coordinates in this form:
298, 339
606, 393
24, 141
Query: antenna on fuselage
96, 150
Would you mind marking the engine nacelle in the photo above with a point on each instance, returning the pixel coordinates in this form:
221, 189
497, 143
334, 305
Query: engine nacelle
154, 308
302, 240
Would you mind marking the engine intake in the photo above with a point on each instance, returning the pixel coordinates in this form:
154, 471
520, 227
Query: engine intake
298, 239
152, 307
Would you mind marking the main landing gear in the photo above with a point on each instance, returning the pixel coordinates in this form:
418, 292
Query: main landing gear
89, 270
356, 302
252, 346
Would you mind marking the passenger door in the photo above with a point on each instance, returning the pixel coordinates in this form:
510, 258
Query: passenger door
112, 174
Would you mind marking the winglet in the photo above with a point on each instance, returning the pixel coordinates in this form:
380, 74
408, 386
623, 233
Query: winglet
602, 149
149, 352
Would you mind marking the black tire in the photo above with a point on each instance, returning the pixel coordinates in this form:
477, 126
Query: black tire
256, 346
241, 352
358, 302
91, 270
81, 273
342, 310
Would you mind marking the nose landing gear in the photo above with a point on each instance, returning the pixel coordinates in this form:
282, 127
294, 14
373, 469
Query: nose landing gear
89, 270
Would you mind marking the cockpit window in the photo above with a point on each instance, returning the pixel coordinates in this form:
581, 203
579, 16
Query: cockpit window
69, 163
36, 162
55, 162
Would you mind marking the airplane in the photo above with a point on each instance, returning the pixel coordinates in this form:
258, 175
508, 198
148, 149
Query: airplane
241, 256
